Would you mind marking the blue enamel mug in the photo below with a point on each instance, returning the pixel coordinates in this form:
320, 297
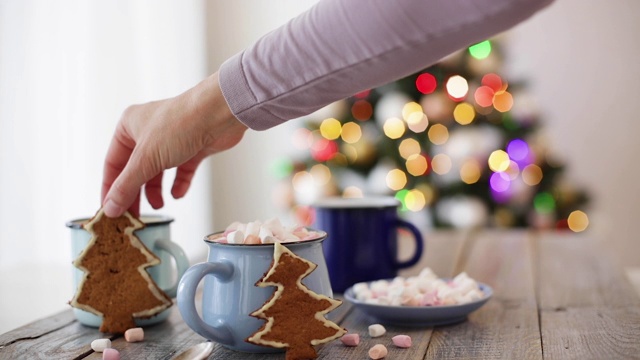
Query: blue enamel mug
362, 242
230, 294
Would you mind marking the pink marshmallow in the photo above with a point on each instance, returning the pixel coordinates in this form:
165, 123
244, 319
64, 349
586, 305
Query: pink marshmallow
350, 339
402, 341
252, 239
110, 354
378, 351
134, 335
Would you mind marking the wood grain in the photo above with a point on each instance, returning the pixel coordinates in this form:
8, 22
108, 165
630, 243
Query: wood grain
504, 262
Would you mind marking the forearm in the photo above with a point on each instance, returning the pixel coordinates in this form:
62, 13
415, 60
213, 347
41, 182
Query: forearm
340, 47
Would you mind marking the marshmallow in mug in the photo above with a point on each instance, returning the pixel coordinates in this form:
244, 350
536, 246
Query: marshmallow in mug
267, 232
426, 289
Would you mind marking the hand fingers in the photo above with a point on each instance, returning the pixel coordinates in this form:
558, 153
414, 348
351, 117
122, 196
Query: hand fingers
153, 191
184, 175
118, 154
126, 187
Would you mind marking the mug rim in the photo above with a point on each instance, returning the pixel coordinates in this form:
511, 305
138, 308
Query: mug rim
337, 202
154, 220
321, 237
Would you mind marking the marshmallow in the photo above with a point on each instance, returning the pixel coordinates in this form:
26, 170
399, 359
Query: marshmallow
252, 239
98, 345
110, 354
134, 335
378, 351
350, 339
402, 341
235, 237
376, 330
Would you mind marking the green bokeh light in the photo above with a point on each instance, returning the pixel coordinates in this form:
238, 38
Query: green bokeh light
401, 196
544, 203
480, 50
281, 168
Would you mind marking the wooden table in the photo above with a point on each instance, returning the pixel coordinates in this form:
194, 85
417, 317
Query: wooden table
556, 296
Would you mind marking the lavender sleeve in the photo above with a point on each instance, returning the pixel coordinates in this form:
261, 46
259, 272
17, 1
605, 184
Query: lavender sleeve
340, 47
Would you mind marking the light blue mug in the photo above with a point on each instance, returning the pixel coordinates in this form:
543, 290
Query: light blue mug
230, 293
156, 236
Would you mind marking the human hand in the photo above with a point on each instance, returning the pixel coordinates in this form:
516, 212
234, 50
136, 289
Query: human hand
150, 138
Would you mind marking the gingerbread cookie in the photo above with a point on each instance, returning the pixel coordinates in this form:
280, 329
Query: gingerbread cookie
295, 315
116, 284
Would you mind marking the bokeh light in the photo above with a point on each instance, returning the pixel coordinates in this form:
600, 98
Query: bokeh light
499, 182
409, 147
320, 174
323, 150
517, 149
427, 191
330, 128
544, 203
480, 50
416, 165
362, 110
414, 200
464, 113
503, 101
438, 134
457, 87
410, 108
470, 171
418, 122
396, 179
393, 128
301, 181
426, 83
493, 81
578, 221
484, 96
351, 132
441, 164
499, 161
532, 175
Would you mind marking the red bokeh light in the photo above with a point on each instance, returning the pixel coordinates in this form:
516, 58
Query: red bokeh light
426, 83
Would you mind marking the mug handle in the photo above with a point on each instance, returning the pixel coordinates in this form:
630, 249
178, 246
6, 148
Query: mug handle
417, 236
223, 270
182, 264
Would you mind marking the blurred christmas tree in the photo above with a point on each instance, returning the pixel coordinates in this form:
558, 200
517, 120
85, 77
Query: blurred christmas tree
456, 141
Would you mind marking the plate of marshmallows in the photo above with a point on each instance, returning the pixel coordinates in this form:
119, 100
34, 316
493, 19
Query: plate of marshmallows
423, 300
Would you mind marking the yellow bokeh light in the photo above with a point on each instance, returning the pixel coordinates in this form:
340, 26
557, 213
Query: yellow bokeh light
418, 122
414, 200
321, 174
351, 132
352, 192
441, 164
464, 113
503, 102
457, 87
416, 165
409, 147
396, 179
532, 175
409, 109
470, 172
578, 221
394, 128
330, 128
499, 161
438, 134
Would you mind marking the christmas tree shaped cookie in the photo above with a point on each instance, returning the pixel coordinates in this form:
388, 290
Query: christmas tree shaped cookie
116, 284
295, 315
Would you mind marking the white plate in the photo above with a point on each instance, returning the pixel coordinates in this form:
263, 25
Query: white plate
420, 315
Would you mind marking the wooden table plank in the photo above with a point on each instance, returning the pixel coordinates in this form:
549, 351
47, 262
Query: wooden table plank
574, 272
442, 251
589, 310
502, 260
